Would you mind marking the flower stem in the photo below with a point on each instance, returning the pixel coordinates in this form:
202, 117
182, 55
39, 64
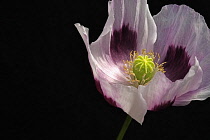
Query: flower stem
124, 128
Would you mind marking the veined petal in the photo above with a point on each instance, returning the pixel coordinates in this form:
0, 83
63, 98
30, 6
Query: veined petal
147, 30
84, 32
155, 92
109, 7
205, 65
133, 29
203, 91
127, 98
102, 66
190, 83
162, 92
98, 52
105, 66
182, 26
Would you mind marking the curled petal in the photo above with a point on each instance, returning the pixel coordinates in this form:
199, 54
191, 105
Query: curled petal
99, 60
182, 26
190, 83
127, 98
85, 36
203, 91
205, 65
162, 92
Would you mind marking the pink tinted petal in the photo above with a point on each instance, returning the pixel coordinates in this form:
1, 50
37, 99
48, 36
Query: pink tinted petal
106, 68
109, 7
162, 92
123, 41
156, 91
99, 60
201, 94
130, 7
85, 36
205, 65
204, 90
146, 28
125, 12
118, 8
107, 98
123, 37
190, 83
135, 14
125, 97
182, 26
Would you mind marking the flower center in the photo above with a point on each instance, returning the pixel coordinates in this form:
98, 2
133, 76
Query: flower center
142, 68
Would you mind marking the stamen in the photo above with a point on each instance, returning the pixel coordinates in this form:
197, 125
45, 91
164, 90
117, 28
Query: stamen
142, 68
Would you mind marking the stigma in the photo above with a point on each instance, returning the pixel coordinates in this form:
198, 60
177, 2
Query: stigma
141, 68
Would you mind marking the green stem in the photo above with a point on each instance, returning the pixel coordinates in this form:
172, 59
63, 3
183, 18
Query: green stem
124, 127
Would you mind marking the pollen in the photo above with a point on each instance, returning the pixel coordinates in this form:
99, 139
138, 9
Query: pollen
142, 68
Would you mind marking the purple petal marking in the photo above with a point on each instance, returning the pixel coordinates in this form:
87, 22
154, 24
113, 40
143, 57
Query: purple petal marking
109, 100
163, 105
98, 86
177, 63
123, 41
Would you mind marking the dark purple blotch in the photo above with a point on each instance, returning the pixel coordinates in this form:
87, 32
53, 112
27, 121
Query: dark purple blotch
123, 41
177, 63
163, 105
109, 100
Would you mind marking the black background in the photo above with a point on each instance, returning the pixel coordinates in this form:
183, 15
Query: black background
48, 91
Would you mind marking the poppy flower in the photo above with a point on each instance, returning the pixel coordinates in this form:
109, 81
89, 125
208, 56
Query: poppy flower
141, 63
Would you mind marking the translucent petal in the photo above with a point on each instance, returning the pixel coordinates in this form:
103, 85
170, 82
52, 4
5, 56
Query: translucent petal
162, 92
182, 26
136, 15
190, 83
156, 91
100, 61
127, 98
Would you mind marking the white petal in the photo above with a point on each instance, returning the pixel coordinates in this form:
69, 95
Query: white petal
127, 98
